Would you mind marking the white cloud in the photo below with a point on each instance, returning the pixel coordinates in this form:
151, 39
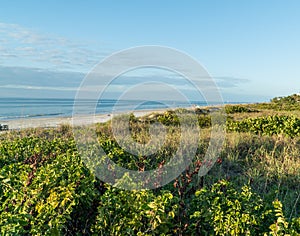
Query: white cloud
31, 87
21, 46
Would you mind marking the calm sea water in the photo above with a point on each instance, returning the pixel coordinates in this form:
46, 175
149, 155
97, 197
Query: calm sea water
25, 108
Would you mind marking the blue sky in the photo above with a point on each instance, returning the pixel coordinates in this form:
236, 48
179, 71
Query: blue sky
251, 48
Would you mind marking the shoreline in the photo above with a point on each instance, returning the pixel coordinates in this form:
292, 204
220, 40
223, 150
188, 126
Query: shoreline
54, 122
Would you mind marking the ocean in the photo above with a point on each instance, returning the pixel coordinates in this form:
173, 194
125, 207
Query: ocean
28, 108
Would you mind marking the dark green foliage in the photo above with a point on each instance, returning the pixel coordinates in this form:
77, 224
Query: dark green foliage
288, 103
281, 226
227, 211
201, 111
43, 184
204, 121
135, 213
270, 125
231, 109
169, 118
292, 99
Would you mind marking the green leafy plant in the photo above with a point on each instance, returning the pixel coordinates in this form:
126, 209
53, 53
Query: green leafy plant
227, 211
135, 213
270, 125
231, 109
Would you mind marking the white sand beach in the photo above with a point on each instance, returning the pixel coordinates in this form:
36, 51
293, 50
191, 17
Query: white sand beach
53, 122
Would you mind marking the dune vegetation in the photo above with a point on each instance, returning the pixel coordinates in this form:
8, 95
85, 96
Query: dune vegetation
252, 189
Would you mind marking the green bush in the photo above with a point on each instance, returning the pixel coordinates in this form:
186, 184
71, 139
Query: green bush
169, 118
43, 188
231, 109
204, 121
281, 226
270, 125
222, 210
288, 103
135, 213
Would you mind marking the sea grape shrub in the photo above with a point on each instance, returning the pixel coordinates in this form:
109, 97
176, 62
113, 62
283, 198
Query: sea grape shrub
288, 103
204, 121
281, 226
231, 109
169, 118
123, 212
201, 111
223, 210
291, 99
43, 188
270, 125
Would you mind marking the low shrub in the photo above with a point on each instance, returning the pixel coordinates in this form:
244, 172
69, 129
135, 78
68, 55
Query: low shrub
124, 212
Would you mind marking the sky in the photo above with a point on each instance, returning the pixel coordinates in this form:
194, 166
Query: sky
251, 49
